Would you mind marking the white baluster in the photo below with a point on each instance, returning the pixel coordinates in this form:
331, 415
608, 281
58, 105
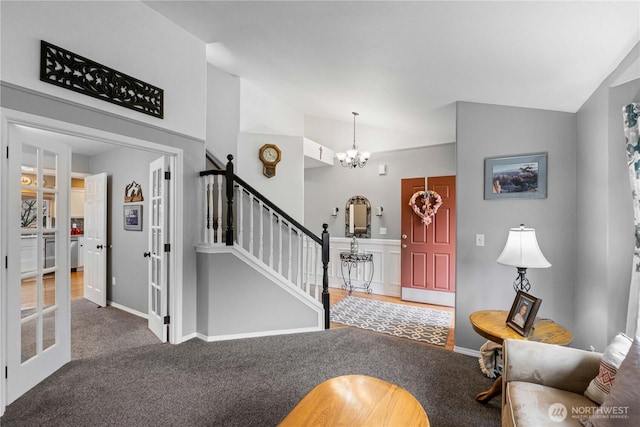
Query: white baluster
240, 214
211, 209
280, 245
315, 269
219, 180
271, 221
207, 210
251, 249
290, 250
300, 258
261, 218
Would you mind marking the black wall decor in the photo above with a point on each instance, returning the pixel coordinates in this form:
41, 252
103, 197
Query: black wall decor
66, 69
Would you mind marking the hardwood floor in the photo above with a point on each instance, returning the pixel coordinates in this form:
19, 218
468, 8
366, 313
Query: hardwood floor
28, 289
336, 294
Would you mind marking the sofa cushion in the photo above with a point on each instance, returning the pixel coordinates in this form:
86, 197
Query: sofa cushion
615, 352
621, 408
535, 405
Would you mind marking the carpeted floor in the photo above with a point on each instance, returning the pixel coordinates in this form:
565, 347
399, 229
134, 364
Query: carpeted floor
416, 323
248, 382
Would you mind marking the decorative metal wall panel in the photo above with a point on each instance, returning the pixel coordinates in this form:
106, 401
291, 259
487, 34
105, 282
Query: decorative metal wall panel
66, 69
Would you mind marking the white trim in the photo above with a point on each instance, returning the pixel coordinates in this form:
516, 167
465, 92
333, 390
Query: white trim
429, 297
9, 116
127, 309
216, 338
467, 351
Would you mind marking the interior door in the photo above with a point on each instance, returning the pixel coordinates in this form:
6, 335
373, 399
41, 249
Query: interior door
38, 314
158, 220
95, 239
428, 252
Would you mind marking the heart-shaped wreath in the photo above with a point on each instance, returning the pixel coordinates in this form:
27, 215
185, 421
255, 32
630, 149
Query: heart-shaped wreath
425, 204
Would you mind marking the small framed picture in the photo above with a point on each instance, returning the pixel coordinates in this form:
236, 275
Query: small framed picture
516, 177
133, 217
523, 313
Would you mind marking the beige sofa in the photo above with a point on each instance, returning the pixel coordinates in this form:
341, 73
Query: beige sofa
537, 377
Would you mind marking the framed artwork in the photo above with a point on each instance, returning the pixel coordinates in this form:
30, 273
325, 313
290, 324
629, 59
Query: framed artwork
523, 313
133, 217
516, 177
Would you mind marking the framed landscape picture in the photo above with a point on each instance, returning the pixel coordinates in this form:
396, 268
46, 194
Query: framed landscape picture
133, 217
516, 177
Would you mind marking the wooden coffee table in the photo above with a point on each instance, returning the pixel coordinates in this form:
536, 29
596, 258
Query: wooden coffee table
357, 400
491, 324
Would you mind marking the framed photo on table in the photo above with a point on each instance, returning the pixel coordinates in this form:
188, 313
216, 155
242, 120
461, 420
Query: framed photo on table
516, 177
523, 313
133, 217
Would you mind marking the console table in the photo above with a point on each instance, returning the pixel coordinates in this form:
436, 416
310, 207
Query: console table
492, 325
349, 262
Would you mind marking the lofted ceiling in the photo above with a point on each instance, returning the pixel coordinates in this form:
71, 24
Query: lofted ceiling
403, 65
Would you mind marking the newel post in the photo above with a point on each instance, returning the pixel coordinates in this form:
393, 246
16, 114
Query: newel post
229, 182
325, 275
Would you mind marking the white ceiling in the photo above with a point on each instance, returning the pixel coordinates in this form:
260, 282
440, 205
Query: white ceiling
402, 65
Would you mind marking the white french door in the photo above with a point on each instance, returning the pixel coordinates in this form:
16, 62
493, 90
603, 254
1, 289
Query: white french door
158, 220
95, 234
38, 314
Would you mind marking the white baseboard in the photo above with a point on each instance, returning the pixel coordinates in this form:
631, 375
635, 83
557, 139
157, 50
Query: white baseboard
127, 309
467, 351
255, 334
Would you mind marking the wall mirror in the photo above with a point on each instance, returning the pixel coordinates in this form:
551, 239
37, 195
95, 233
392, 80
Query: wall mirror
357, 213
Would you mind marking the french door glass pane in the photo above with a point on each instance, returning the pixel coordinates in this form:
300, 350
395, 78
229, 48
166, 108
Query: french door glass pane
28, 296
49, 290
28, 341
49, 329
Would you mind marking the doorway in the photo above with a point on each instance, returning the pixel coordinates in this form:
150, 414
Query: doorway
47, 147
428, 248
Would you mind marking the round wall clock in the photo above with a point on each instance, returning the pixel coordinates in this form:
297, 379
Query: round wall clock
270, 155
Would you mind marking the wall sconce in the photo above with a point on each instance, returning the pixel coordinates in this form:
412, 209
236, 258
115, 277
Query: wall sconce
379, 211
334, 212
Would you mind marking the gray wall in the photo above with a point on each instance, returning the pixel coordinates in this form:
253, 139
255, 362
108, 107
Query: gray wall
481, 283
234, 298
329, 187
604, 211
125, 262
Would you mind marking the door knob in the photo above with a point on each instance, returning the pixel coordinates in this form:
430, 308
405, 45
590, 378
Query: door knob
147, 254
99, 246
404, 236
404, 246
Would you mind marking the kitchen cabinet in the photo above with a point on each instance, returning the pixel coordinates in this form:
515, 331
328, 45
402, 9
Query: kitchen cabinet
77, 203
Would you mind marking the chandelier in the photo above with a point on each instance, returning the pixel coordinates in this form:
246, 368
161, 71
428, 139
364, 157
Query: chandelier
352, 157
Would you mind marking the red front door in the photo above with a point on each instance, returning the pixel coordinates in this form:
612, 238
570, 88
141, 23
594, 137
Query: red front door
428, 253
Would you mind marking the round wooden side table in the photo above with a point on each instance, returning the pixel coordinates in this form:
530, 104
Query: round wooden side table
492, 325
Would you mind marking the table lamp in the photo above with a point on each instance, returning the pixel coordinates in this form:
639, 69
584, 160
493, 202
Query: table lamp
522, 251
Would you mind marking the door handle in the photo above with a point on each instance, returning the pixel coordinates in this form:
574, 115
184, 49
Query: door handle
99, 246
404, 246
404, 236
147, 254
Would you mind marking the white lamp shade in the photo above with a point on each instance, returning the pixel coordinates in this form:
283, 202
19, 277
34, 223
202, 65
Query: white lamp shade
341, 156
522, 250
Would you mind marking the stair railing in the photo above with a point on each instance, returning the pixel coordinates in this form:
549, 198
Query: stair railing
244, 217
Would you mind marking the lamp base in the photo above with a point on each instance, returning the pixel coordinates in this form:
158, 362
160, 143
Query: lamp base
521, 283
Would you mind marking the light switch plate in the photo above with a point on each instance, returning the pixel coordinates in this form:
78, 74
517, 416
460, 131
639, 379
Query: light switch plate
479, 239
383, 230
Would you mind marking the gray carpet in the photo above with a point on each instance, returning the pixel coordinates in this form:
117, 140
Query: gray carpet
248, 382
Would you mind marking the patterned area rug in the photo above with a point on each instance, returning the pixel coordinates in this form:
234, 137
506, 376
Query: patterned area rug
416, 323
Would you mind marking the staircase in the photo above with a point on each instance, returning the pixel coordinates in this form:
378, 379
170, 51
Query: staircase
286, 256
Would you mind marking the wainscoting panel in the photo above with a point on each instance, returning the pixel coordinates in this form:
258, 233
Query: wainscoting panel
386, 264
